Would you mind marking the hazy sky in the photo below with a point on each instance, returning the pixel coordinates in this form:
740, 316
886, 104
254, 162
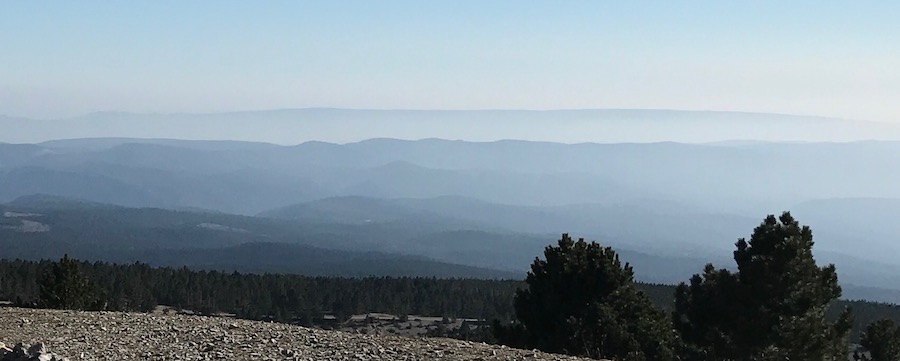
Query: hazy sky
800, 57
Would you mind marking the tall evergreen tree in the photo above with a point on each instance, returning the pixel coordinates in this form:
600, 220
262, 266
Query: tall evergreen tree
581, 300
772, 308
64, 286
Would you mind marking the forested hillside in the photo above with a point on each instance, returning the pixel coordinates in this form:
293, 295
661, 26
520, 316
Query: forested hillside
669, 207
359, 237
305, 300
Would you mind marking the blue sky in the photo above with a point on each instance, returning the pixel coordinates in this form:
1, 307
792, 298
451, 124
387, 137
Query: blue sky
61, 59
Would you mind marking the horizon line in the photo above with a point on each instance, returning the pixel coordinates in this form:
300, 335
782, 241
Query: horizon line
736, 141
530, 110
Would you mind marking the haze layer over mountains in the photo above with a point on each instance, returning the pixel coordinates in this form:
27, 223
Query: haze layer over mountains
293, 126
485, 207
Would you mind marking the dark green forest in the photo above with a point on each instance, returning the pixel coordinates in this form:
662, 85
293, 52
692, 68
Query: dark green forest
305, 300
279, 297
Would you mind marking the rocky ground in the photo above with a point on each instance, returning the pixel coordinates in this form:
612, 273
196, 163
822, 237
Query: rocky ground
136, 336
21, 352
413, 325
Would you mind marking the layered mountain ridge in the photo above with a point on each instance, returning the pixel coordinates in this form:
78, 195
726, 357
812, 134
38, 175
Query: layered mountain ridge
493, 206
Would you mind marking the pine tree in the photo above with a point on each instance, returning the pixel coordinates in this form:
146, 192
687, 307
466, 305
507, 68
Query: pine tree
581, 301
772, 308
882, 341
65, 287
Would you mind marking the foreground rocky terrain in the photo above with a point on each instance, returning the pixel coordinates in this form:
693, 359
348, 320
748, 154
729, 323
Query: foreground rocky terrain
136, 336
36, 352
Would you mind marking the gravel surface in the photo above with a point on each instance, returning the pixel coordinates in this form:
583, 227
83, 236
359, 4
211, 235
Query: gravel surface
137, 336
36, 352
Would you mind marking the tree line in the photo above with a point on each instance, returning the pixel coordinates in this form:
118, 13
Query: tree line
278, 297
579, 299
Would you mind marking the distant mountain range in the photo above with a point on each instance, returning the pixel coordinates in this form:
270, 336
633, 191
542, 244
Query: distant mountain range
293, 126
327, 237
250, 177
670, 207
94, 231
